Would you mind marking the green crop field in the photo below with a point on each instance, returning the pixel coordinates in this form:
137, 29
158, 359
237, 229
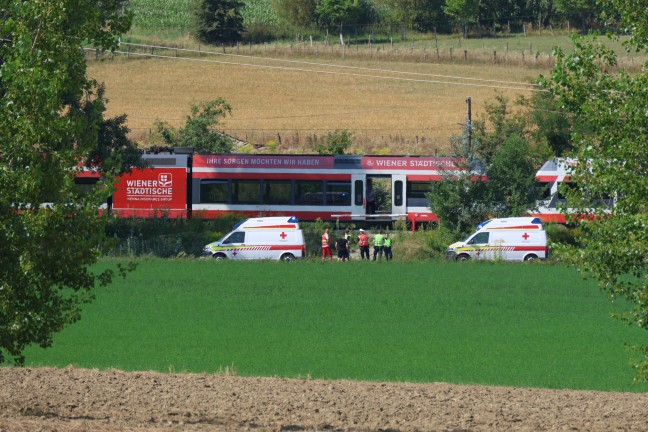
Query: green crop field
479, 323
174, 15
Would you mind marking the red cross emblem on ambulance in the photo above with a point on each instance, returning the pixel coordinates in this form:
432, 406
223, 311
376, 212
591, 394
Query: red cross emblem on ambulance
525, 236
283, 235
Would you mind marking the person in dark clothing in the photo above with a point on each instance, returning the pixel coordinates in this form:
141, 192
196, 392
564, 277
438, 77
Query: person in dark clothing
342, 247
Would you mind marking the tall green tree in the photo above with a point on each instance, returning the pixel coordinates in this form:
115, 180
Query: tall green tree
217, 21
199, 129
420, 15
458, 200
339, 14
296, 12
581, 13
50, 118
497, 159
463, 13
611, 148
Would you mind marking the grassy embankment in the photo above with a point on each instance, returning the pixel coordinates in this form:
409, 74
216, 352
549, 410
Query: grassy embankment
494, 324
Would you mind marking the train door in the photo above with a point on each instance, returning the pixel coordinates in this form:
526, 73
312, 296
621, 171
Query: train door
358, 192
398, 201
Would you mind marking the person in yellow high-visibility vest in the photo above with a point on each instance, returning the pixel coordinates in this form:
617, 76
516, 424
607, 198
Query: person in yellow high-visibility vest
378, 243
387, 247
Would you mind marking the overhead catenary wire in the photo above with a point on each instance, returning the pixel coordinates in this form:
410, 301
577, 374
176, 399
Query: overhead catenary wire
215, 53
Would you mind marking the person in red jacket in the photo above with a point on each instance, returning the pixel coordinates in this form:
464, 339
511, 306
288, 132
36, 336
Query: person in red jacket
363, 243
326, 246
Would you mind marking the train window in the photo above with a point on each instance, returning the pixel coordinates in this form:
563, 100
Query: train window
338, 193
245, 191
565, 188
85, 186
214, 191
398, 193
359, 193
276, 191
309, 192
417, 189
543, 190
416, 194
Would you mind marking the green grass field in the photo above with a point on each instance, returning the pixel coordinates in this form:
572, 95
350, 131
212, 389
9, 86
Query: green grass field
493, 324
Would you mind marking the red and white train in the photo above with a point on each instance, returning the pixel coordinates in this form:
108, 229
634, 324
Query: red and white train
180, 184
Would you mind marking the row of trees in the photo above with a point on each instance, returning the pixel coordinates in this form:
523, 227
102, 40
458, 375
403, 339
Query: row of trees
216, 21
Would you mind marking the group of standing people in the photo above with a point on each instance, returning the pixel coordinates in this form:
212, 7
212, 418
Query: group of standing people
382, 244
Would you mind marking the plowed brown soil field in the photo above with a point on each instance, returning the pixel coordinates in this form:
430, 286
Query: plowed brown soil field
70, 399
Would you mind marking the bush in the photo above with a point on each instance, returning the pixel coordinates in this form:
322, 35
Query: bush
560, 234
313, 236
423, 244
165, 237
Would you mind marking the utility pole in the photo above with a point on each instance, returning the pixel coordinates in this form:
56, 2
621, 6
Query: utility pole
469, 120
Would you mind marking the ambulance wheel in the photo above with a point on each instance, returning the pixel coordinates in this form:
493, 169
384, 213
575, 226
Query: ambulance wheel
287, 257
219, 256
530, 258
463, 257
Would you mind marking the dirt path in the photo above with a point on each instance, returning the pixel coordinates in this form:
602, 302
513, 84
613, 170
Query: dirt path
71, 399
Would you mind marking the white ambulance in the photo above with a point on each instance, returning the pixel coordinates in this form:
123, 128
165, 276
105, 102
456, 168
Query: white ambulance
508, 239
272, 238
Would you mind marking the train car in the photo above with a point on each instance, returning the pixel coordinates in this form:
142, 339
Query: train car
552, 207
162, 190
331, 188
548, 178
315, 187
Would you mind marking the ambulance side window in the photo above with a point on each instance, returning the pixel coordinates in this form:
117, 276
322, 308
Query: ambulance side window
235, 237
481, 238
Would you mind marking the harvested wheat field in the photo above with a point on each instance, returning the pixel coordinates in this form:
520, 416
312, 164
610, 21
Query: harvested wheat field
45, 399
391, 108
